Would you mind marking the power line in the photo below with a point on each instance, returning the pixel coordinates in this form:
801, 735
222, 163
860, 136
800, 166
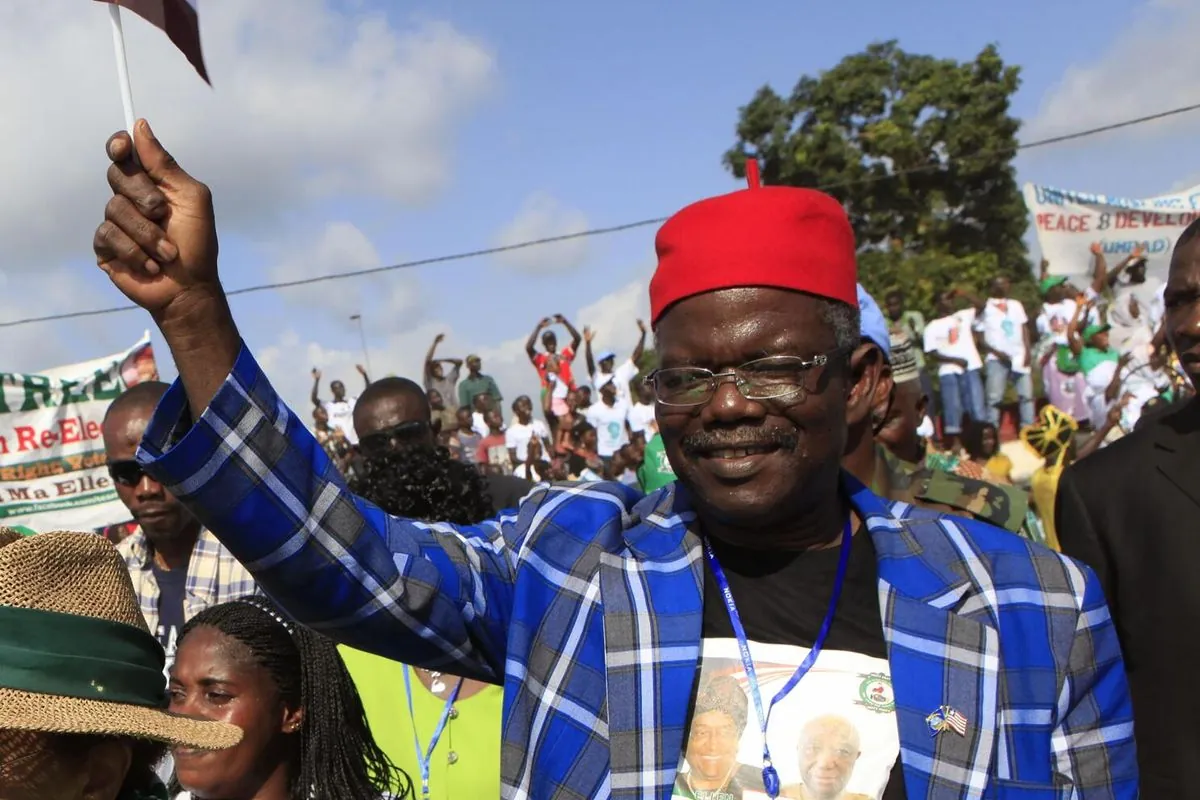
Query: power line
488, 251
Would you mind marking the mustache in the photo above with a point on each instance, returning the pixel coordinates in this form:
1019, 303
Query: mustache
739, 438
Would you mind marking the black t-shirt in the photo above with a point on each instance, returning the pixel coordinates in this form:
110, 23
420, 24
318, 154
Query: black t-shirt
782, 598
506, 491
172, 587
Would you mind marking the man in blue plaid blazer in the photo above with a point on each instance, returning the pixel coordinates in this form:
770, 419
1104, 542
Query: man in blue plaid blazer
596, 607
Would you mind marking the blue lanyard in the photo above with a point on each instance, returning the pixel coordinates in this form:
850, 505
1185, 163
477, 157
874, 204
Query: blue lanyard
770, 776
425, 757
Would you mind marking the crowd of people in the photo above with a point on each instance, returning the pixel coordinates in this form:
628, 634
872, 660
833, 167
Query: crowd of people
600, 430
807, 501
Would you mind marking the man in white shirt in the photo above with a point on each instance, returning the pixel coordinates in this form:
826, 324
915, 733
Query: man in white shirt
1005, 328
641, 414
610, 417
523, 430
601, 369
950, 342
341, 408
1136, 310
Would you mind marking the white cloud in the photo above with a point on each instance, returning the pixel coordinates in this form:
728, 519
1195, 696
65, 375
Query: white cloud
295, 83
1146, 70
342, 247
542, 217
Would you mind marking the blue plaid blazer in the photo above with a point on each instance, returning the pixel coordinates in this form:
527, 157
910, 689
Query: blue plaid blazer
586, 604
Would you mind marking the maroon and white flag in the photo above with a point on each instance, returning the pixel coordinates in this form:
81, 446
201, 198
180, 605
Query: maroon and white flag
176, 18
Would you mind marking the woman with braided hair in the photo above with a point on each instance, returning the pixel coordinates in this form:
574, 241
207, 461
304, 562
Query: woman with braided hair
305, 731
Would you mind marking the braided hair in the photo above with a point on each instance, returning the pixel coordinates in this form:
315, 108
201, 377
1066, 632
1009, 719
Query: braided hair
336, 757
421, 481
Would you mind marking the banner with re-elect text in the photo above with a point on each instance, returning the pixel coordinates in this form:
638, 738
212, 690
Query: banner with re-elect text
52, 466
1068, 223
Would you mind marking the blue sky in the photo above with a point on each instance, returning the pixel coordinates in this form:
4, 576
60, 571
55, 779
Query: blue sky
541, 118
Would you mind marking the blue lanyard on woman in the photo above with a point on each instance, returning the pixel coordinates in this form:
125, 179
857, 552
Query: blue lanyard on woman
425, 757
770, 776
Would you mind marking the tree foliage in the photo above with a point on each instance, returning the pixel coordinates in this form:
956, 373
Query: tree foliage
918, 149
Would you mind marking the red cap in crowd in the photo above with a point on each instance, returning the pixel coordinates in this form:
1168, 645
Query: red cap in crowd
773, 236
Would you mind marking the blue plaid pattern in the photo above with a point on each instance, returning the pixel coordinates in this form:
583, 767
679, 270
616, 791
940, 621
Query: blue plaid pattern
586, 604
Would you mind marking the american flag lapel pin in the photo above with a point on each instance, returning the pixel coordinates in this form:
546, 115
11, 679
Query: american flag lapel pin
945, 718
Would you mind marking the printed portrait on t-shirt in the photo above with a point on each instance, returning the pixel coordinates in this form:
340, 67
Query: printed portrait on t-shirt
832, 737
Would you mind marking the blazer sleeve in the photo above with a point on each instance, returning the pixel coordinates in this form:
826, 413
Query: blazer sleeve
430, 594
1078, 535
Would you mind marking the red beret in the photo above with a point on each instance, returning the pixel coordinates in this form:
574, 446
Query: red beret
773, 236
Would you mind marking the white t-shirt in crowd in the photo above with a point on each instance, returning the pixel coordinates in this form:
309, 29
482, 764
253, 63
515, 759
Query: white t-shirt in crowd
1053, 321
951, 336
641, 419
518, 436
478, 425
623, 374
609, 422
1003, 326
1130, 333
341, 415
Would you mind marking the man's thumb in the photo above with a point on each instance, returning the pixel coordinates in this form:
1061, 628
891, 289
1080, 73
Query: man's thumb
157, 162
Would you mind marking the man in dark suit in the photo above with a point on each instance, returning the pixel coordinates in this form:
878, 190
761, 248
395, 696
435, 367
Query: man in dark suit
1132, 512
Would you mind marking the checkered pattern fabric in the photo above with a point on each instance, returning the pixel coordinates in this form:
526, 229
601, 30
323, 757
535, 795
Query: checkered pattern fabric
213, 576
586, 605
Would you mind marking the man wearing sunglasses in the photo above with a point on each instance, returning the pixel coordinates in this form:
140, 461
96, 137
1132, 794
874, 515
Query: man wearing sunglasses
394, 415
178, 568
990, 663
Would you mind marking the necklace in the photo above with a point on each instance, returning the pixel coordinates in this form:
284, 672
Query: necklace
425, 755
436, 684
718, 793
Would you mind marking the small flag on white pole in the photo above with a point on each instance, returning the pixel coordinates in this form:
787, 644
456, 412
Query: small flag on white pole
176, 18
118, 32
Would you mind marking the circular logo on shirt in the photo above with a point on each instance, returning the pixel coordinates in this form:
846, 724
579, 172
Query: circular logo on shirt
875, 693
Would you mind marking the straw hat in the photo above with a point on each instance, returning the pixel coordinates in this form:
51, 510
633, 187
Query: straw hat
71, 633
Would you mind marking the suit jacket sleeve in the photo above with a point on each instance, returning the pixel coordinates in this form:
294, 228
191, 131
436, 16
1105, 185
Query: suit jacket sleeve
1077, 532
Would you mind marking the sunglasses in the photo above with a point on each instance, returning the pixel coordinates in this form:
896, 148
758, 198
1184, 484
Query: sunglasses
126, 473
382, 441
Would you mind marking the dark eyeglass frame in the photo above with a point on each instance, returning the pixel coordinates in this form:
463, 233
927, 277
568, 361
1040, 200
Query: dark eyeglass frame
383, 440
802, 368
126, 472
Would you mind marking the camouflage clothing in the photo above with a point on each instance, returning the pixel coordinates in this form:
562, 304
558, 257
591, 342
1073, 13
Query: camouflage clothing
1004, 506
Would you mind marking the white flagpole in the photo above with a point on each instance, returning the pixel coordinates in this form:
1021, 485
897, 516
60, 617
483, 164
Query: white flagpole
114, 14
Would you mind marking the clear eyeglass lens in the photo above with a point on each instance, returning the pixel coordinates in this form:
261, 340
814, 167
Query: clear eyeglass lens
764, 379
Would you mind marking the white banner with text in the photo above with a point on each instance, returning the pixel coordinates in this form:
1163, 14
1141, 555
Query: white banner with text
1068, 223
52, 467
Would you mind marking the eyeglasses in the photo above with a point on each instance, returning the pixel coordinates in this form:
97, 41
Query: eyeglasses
126, 472
773, 378
380, 442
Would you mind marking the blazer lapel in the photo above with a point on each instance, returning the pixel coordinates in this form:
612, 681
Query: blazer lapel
941, 661
1176, 441
653, 602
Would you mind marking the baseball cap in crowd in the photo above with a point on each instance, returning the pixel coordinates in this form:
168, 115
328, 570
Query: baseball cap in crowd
1092, 330
605, 355
1003, 506
874, 327
1050, 282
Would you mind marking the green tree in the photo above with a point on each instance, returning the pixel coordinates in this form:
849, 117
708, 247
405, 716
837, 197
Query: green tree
918, 149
